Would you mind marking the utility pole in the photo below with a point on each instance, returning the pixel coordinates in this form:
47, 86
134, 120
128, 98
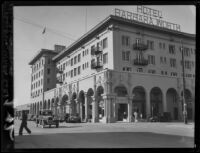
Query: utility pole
184, 105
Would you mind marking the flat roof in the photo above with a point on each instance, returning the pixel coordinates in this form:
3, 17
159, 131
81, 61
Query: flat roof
115, 19
40, 53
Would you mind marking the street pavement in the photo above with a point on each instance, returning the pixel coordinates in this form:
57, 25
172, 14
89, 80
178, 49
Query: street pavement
112, 135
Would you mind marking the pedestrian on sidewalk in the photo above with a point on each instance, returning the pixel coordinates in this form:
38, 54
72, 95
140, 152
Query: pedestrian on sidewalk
24, 124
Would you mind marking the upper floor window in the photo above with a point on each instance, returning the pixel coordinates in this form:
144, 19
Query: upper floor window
105, 58
79, 69
79, 57
63, 66
105, 43
48, 80
173, 62
72, 60
74, 71
139, 69
150, 44
151, 59
71, 73
75, 59
125, 40
172, 49
125, 55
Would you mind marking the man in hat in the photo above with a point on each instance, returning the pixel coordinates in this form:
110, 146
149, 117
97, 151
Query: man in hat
24, 124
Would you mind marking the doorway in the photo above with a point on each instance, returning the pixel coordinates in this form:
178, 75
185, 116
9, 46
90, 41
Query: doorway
122, 112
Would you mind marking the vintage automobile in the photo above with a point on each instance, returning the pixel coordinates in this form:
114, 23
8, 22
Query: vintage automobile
73, 119
46, 117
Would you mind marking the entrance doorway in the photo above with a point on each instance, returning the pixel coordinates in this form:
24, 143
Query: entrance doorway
122, 112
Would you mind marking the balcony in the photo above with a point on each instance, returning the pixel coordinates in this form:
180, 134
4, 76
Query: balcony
141, 62
96, 64
96, 50
140, 46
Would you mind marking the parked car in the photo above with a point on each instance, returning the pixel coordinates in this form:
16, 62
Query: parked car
46, 117
73, 119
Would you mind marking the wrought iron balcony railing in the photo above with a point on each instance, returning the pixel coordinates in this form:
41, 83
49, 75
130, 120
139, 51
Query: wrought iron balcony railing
140, 46
96, 64
96, 50
142, 62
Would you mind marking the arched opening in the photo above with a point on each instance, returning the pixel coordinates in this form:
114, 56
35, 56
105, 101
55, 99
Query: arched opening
188, 101
48, 107
121, 91
38, 105
90, 93
172, 103
100, 103
121, 107
44, 106
73, 104
156, 102
81, 99
52, 105
139, 101
64, 103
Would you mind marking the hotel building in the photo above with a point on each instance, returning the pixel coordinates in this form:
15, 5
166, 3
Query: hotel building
119, 67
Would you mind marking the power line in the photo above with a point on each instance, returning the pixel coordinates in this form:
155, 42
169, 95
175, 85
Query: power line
40, 26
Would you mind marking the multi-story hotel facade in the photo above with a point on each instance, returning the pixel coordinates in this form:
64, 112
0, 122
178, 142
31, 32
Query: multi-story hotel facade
119, 67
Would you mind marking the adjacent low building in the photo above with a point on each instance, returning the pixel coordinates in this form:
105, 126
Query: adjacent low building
117, 68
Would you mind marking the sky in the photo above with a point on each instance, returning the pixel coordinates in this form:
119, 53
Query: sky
64, 25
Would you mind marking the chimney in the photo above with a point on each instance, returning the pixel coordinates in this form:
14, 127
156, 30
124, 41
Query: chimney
59, 48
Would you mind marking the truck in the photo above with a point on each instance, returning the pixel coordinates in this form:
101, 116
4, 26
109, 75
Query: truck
46, 118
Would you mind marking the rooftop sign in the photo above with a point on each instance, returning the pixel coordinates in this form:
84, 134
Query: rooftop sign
148, 16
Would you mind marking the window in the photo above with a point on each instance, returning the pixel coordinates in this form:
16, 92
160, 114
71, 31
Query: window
72, 61
48, 71
63, 66
127, 55
150, 44
173, 62
79, 57
42, 62
172, 49
123, 55
83, 66
151, 59
71, 73
128, 69
125, 40
83, 53
74, 71
66, 74
79, 69
152, 71
139, 70
165, 72
92, 50
48, 80
41, 72
41, 81
63, 76
105, 43
162, 72
105, 58
75, 59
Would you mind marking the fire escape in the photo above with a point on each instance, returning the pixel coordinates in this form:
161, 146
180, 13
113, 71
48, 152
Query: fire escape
140, 47
96, 61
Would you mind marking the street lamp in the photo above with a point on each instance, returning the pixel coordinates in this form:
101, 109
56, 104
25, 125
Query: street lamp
183, 96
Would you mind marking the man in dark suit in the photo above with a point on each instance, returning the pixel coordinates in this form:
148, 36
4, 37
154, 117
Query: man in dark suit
24, 124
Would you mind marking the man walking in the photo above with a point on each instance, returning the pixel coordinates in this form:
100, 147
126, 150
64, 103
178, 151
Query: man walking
24, 124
